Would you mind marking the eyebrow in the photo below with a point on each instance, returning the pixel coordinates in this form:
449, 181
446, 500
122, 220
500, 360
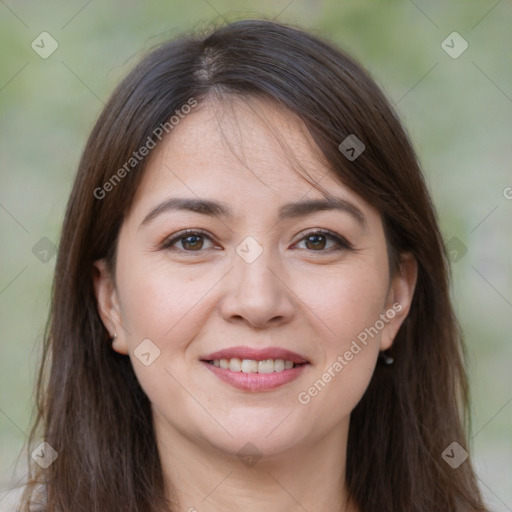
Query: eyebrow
286, 211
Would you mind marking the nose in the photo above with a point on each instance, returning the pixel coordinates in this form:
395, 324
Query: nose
258, 293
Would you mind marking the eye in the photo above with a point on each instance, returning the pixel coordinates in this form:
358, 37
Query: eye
195, 241
188, 241
324, 241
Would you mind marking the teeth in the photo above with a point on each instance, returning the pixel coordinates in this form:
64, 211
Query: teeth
235, 364
266, 366
279, 365
252, 366
249, 366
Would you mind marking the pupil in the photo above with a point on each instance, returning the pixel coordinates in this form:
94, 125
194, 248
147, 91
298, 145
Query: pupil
192, 242
318, 241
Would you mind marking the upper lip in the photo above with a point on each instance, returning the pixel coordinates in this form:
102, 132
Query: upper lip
257, 354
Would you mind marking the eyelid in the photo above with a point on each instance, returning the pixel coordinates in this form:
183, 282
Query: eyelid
170, 240
342, 242
339, 239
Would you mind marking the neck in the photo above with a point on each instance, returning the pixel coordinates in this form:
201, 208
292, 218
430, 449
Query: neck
202, 478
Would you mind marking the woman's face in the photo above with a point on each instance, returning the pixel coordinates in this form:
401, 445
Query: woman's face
268, 274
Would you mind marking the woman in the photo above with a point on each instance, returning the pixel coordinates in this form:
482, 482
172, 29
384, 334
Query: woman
251, 303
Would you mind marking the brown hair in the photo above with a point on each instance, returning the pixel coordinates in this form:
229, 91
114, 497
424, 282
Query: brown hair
91, 408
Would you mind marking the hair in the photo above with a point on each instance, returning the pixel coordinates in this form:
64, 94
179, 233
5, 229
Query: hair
90, 406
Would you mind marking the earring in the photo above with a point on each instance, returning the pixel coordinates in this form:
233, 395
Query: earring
114, 338
386, 359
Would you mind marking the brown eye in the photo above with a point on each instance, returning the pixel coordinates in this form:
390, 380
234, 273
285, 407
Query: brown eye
324, 242
315, 242
188, 241
192, 242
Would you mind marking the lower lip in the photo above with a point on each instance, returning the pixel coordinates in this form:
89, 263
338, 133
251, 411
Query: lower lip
256, 381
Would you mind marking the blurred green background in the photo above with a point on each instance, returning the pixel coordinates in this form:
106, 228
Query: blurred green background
458, 112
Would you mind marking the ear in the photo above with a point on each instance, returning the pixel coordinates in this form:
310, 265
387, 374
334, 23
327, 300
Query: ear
399, 299
108, 305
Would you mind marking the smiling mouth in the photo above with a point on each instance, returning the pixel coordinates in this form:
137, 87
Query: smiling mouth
238, 365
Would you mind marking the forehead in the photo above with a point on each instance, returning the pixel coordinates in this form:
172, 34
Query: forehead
239, 149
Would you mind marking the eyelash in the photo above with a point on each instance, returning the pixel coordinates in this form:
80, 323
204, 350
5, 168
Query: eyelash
342, 243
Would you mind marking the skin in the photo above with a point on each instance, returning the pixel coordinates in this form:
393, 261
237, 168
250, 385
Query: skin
306, 295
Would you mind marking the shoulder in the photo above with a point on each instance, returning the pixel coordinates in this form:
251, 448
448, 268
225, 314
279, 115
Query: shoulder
10, 499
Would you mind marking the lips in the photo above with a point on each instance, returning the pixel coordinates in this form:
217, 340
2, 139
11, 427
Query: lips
255, 354
255, 370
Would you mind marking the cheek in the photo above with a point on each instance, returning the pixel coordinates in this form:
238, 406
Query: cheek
159, 301
350, 309
164, 306
347, 303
